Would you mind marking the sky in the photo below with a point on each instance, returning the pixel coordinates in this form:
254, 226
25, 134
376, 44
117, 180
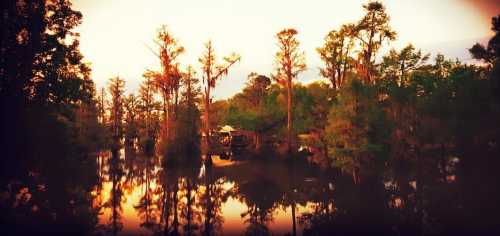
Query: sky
114, 33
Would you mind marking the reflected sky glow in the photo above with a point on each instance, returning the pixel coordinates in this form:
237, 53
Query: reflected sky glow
231, 210
131, 222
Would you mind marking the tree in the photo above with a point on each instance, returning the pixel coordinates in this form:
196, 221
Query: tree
290, 62
491, 52
149, 122
336, 54
130, 105
256, 89
398, 65
212, 71
48, 123
101, 106
219, 112
322, 101
116, 90
372, 30
191, 92
21, 41
248, 109
186, 143
490, 55
41, 60
357, 131
167, 81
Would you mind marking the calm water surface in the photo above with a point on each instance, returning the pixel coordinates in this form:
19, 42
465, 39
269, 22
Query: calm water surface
139, 197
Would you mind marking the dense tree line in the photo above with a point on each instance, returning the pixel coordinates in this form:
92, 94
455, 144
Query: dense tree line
426, 130
410, 144
50, 135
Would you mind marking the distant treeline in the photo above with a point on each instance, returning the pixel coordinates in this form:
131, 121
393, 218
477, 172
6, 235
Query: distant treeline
429, 130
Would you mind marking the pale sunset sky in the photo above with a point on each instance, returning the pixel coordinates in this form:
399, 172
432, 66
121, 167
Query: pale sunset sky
113, 32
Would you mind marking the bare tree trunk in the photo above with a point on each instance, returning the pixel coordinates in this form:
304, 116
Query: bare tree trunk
208, 158
258, 141
208, 74
344, 67
167, 120
369, 52
289, 115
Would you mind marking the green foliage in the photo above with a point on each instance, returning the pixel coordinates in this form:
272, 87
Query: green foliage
358, 129
372, 31
419, 134
255, 108
303, 105
337, 54
186, 142
399, 65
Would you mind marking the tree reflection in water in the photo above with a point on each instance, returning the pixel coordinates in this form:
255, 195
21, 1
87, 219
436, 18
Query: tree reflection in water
147, 210
189, 208
173, 198
261, 197
47, 183
212, 197
149, 195
115, 201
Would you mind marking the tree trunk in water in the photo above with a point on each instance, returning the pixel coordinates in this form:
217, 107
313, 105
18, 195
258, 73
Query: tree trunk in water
419, 185
355, 175
114, 156
175, 223
189, 210
208, 213
294, 226
166, 209
258, 142
419, 196
115, 213
165, 212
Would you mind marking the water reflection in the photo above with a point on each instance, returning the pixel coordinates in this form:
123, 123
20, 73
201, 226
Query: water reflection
138, 194
141, 195
261, 197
